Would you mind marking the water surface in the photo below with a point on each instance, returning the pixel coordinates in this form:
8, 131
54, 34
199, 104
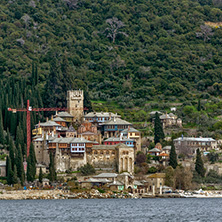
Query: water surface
112, 210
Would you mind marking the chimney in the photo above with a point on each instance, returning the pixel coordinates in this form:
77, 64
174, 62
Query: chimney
47, 119
109, 116
51, 117
56, 113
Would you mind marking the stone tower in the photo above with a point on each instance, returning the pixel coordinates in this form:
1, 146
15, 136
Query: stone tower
75, 103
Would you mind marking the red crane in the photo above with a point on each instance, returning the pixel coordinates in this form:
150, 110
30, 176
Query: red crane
28, 124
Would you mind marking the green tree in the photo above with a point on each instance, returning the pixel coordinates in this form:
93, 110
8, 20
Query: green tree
199, 165
19, 137
12, 152
40, 175
158, 129
169, 176
87, 169
173, 157
2, 138
213, 157
31, 164
54, 83
14, 177
29, 170
10, 173
52, 171
20, 167
7, 166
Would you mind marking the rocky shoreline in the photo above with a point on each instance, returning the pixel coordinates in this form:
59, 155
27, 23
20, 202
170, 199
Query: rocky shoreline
59, 194
92, 194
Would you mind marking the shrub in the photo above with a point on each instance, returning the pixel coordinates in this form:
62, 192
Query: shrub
87, 169
101, 190
152, 170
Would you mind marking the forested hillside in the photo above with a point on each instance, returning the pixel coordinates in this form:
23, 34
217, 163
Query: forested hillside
127, 52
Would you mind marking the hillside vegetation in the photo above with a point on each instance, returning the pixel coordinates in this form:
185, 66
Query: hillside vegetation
130, 51
125, 53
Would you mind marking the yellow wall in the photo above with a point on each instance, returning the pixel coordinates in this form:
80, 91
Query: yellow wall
37, 131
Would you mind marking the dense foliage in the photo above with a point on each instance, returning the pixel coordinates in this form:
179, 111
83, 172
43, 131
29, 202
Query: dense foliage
125, 50
87, 169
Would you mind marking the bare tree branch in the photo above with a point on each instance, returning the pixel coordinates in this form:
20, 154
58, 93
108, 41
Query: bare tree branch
205, 32
113, 29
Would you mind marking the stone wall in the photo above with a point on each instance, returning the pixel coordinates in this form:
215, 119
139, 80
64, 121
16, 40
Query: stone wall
41, 153
102, 158
65, 162
125, 158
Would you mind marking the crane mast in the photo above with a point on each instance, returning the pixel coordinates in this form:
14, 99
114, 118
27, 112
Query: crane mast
28, 122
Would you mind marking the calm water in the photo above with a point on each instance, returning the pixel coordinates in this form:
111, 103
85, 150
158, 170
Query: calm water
112, 210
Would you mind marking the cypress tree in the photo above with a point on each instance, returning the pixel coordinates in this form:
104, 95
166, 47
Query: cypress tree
87, 102
19, 137
199, 166
31, 164
173, 157
67, 73
29, 169
12, 153
7, 165
8, 136
40, 175
14, 177
52, 172
158, 129
2, 138
20, 167
13, 124
10, 173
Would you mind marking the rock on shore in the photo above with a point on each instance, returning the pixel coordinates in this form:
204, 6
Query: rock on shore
57, 194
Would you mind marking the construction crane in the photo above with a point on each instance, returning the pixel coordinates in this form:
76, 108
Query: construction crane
28, 124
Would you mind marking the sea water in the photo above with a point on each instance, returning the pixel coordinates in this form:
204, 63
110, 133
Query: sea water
177, 210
